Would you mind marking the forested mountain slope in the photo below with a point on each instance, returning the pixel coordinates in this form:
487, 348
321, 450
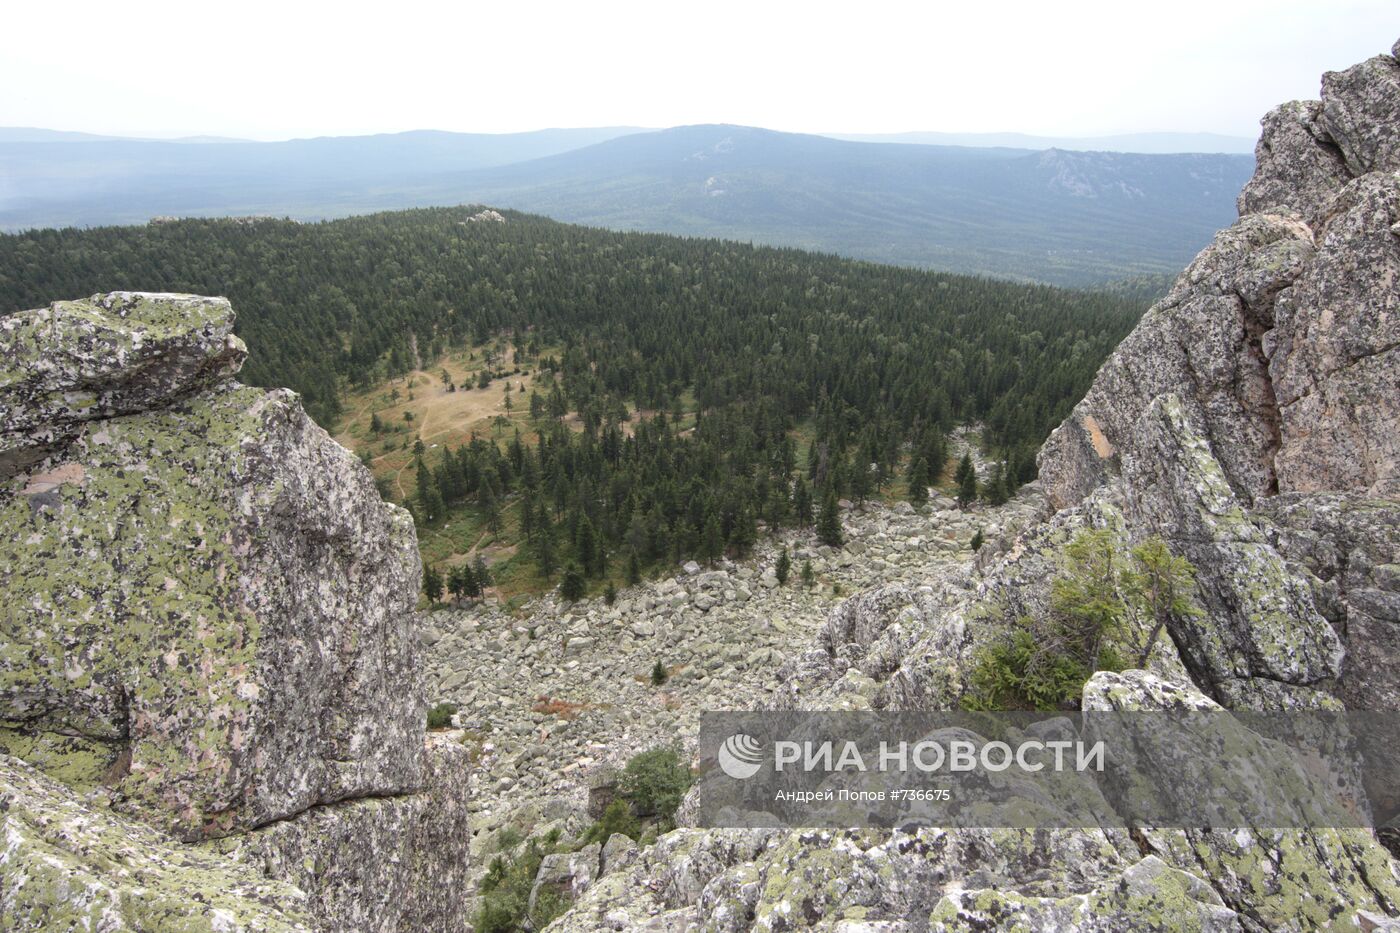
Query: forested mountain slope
349, 300
668, 378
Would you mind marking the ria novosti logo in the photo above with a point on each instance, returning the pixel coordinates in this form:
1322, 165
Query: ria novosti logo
740, 756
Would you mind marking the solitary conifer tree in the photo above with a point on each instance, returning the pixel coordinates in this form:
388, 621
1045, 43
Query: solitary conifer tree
432, 584
967, 487
572, 586
829, 524
918, 481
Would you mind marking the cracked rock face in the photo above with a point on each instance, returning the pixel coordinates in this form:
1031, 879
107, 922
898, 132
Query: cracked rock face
208, 621
1281, 336
1280, 348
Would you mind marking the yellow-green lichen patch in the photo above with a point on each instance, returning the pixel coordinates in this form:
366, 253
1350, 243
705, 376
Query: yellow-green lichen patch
78, 761
123, 617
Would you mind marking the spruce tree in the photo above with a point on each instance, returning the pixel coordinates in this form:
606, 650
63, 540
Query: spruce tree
744, 534
544, 546
862, 482
711, 540
784, 567
918, 481
802, 504
572, 586
809, 576
829, 523
432, 584
634, 569
995, 489
457, 582
586, 546
967, 487
430, 498
965, 468
490, 507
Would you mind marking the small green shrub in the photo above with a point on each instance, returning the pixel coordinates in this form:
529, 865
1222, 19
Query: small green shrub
440, 716
617, 818
549, 904
508, 838
505, 889
1015, 674
654, 782
659, 675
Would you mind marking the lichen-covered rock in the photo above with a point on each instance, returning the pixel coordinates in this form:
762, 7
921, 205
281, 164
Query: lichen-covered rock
1280, 337
1334, 353
1361, 110
67, 865
1349, 545
209, 625
1286, 879
1202, 342
1297, 166
1260, 619
1149, 894
380, 864
106, 355
215, 592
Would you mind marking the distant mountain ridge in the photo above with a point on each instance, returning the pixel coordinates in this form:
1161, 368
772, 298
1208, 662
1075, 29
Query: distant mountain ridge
1055, 216
1059, 216
1144, 143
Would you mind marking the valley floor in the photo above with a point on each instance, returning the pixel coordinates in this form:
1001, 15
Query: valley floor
555, 696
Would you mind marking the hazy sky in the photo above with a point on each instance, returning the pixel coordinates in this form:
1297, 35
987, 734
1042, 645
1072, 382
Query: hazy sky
276, 70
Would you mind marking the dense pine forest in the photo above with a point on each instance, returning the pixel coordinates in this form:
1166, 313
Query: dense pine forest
682, 390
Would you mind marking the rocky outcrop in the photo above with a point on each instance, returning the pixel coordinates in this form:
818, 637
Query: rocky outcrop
1101, 879
1260, 621
68, 865
1272, 367
208, 620
1280, 337
381, 864
108, 355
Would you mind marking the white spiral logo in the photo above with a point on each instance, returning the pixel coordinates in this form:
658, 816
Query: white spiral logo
740, 756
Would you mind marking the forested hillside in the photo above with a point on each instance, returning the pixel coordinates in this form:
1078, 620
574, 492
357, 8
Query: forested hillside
678, 388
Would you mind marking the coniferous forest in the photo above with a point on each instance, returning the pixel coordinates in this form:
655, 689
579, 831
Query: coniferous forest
710, 385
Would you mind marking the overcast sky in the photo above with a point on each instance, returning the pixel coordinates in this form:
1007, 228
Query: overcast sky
273, 70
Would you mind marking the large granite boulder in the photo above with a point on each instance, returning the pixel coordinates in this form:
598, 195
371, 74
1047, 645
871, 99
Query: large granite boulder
210, 591
209, 615
107, 355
